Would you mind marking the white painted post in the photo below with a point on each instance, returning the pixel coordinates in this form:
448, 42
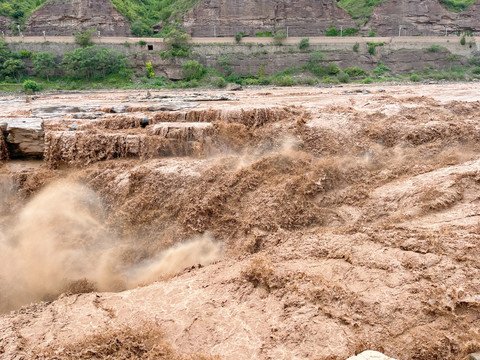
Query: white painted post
341, 31
399, 30
287, 31
214, 31
44, 36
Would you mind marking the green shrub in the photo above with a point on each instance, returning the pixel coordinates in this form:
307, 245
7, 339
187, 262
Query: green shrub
355, 47
279, 37
261, 72
238, 37
126, 44
159, 81
329, 80
372, 47
380, 69
139, 28
316, 58
343, 77
304, 43
476, 71
474, 61
415, 78
463, 41
332, 69
355, 72
350, 31
332, 31
149, 70
434, 48
251, 82
234, 78
142, 43
84, 39
264, 34
225, 64
219, 82
24, 54
192, 70
31, 86
452, 57
178, 43
307, 80
285, 80
367, 80
371, 33
93, 61
264, 80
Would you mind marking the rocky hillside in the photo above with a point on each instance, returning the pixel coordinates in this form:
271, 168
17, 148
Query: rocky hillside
226, 18
307, 18
426, 17
65, 17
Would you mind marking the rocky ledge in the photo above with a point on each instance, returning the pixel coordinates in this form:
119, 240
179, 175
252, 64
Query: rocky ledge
22, 137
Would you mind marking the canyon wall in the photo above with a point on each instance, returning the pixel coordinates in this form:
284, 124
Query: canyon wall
227, 18
66, 17
427, 18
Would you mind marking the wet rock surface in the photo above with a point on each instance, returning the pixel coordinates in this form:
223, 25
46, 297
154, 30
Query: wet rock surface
370, 355
24, 136
57, 111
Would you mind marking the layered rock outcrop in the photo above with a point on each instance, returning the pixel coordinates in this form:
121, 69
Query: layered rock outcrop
6, 25
426, 18
24, 138
227, 18
66, 17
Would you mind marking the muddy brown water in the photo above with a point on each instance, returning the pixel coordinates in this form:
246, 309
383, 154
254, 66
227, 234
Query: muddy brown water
293, 223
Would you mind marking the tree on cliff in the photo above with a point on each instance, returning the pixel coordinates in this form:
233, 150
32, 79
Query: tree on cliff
84, 39
139, 28
44, 64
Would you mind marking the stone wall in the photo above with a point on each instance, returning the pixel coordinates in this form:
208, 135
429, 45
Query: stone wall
270, 60
250, 59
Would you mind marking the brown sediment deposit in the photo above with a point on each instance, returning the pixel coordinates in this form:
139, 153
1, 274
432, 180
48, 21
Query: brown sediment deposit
305, 223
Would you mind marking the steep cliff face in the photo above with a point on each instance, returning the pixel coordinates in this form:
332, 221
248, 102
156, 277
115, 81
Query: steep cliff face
65, 17
426, 17
227, 17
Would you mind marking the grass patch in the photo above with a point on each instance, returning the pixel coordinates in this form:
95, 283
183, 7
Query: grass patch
19, 10
359, 9
457, 5
152, 12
